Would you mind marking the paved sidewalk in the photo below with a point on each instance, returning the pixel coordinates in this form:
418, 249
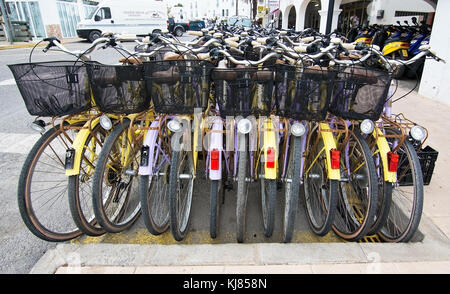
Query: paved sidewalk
432, 255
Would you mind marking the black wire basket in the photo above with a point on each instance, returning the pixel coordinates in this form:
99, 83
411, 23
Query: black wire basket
303, 93
360, 93
118, 89
244, 91
53, 88
178, 86
427, 158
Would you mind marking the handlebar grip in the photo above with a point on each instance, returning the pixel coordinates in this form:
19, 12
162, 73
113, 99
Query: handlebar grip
232, 43
349, 46
126, 37
301, 49
218, 36
254, 43
234, 39
51, 39
261, 40
307, 39
195, 33
336, 41
203, 56
244, 34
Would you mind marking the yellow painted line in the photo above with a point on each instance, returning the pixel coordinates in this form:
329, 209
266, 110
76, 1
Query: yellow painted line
142, 236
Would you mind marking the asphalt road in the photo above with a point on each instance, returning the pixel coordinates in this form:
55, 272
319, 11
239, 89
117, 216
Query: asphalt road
20, 249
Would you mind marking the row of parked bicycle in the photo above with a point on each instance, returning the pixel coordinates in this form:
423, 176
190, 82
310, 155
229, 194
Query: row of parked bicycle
284, 110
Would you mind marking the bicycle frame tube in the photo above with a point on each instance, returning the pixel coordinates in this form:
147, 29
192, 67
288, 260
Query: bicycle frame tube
150, 140
78, 145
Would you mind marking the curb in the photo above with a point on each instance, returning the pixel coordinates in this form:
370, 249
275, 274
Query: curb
128, 255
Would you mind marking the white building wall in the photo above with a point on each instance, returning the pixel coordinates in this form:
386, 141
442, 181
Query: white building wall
435, 78
390, 7
212, 8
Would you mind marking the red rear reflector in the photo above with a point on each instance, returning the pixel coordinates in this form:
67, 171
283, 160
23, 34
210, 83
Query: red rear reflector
335, 158
392, 161
270, 162
215, 159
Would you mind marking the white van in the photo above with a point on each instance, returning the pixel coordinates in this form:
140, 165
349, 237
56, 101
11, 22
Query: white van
124, 17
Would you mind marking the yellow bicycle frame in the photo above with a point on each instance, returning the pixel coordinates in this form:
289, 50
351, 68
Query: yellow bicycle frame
329, 144
270, 142
383, 148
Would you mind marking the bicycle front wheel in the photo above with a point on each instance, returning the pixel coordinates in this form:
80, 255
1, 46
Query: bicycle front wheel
292, 187
80, 186
42, 188
181, 186
358, 194
115, 195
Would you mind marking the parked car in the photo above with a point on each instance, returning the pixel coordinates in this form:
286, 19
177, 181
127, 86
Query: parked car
178, 28
118, 16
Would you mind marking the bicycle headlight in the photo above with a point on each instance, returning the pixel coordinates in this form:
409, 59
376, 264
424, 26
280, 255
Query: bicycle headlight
244, 126
38, 125
367, 126
417, 133
105, 122
174, 126
298, 129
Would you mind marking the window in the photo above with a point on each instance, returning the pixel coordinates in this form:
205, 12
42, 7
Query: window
227, 12
223, 12
104, 13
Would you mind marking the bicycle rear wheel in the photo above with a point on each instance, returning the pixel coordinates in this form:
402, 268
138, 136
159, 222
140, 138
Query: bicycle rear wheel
358, 194
407, 196
384, 190
115, 195
320, 192
268, 190
42, 188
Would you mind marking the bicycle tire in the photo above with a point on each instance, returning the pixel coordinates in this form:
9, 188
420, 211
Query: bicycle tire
155, 204
88, 225
417, 201
242, 193
114, 224
24, 197
214, 208
351, 208
179, 227
292, 187
321, 223
268, 202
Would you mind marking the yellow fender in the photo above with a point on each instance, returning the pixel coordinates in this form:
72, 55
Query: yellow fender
394, 46
270, 142
78, 145
364, 40
383, 148
329, 143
